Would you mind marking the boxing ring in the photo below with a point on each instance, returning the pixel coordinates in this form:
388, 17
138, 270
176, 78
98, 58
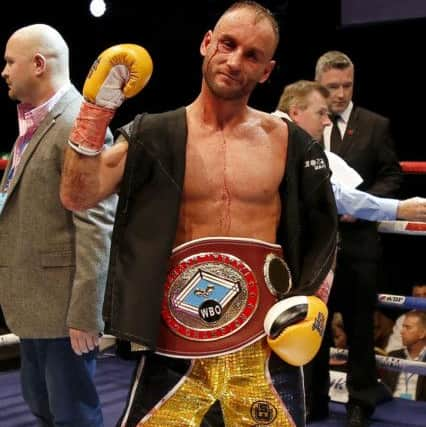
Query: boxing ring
398, 302
338, 391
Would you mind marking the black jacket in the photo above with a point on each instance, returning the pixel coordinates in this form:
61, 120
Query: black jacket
368, 148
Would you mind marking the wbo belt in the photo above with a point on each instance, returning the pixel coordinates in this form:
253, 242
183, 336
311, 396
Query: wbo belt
217, 293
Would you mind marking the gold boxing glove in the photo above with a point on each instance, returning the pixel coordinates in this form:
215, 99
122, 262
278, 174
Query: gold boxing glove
118, 73
295, 327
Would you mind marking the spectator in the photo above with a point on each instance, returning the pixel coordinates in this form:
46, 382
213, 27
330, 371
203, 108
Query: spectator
339, 334
395, 340
339, 341
404, 384
382, 330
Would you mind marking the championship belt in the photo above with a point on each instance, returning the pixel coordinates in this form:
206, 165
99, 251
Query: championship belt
217, 293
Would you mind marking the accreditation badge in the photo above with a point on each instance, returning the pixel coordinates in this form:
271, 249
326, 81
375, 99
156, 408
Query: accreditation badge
3, 197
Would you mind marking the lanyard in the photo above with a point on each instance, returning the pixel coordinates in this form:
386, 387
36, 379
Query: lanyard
407, 380
421, 357
20, 146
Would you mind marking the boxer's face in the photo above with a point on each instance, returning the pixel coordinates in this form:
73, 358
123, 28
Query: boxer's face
237, 54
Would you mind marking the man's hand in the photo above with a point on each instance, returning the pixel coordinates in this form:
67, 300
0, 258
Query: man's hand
82, 341
413, 209
347, 218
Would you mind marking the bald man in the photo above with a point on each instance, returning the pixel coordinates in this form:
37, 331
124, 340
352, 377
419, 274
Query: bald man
53, 262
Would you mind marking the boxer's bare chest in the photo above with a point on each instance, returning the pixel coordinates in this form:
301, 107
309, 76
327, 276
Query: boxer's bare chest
245, 167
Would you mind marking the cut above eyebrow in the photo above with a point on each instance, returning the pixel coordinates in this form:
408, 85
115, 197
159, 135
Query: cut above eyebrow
229, 38
335, 84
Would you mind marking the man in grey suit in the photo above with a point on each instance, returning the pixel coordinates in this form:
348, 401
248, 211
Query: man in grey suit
53, 262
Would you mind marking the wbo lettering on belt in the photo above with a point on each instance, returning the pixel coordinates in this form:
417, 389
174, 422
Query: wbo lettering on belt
217, 293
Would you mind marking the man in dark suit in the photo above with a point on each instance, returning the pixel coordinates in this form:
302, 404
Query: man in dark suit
363, 139
404, 384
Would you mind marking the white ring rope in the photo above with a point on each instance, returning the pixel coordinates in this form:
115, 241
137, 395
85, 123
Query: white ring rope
391, 363
11, 339
403, 227
8, 339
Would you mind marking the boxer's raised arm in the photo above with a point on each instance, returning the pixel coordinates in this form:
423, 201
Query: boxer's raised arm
86, 180
91, 173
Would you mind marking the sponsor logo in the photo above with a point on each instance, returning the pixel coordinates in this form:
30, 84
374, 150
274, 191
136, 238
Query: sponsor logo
317, 164
319, 324
392, 363
393, 299
263, 412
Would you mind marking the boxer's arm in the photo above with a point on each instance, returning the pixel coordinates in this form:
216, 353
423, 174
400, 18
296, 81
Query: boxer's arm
86, 180
91, 173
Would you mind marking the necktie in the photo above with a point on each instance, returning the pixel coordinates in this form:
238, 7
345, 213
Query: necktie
335, 137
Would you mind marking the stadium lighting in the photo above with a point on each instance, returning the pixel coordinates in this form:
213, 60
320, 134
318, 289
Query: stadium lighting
97, 8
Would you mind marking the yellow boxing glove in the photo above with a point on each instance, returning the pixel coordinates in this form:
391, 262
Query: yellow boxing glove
118, 73
295, 327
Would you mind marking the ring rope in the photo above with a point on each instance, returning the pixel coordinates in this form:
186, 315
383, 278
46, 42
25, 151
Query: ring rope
413, 167
401, 302
12, 339
391, 363
386, 362
3, 164
403, 227
8, 339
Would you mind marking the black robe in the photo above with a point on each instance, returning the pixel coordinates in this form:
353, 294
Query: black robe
148, 214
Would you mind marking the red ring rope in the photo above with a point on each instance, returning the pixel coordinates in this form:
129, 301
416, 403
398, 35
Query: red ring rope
413, 167
3, 163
